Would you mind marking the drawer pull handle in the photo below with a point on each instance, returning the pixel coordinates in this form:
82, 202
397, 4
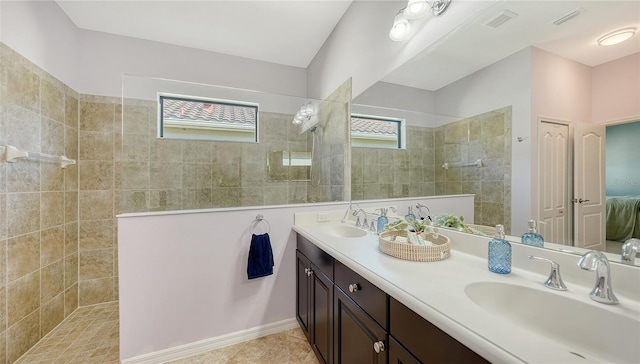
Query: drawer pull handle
354, 287
306, 271
378, 346
310, 273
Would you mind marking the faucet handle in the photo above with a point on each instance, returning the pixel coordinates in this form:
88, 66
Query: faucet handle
555, 280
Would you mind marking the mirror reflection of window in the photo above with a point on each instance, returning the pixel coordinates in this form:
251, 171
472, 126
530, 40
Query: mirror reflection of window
376, 132
184, 117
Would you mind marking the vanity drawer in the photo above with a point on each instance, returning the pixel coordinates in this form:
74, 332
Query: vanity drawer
425, 341
317, 256
370, 298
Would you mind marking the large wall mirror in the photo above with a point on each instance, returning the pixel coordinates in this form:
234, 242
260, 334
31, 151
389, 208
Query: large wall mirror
540, 63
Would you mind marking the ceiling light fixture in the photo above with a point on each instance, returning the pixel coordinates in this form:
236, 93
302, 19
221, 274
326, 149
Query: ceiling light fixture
616, 37
414, 10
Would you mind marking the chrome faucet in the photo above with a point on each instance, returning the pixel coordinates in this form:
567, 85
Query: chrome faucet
419, 207
629, 251
346, 213
597, 261
555, 280
359, 224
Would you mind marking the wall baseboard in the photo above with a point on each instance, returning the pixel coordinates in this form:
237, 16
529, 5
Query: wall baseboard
199, 347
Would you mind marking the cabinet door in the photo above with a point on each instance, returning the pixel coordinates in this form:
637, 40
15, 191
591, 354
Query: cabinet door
322, 315
357, 337
303, 294
399, 355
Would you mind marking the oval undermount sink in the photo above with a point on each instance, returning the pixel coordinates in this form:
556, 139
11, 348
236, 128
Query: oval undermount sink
585, 329
343, 231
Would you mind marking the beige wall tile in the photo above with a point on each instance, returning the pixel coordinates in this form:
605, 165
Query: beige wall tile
52, 137
3, 345
135, 147
95, 116
96, 264
71, 142
52, 280
22, 336
23, 88
165, 175
96, 234
135, 175
3, 217
23, 176
135, 119
70, 300
23, 297
71, 270
52, 100
23, 255
51, 245
70, 238
165, 150
96, 175
70, 207
96, 205
95, 291
71, 178
51, 209
51, 177
3, 312
52, 313
96, 146
71, 111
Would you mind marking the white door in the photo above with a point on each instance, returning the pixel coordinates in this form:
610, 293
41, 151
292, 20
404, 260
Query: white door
554, 182
589, 200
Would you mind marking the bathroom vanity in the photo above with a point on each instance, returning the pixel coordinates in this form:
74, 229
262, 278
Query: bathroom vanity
357, 305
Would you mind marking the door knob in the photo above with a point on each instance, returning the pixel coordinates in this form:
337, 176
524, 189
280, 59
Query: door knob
378, 346
579, 200
354, 287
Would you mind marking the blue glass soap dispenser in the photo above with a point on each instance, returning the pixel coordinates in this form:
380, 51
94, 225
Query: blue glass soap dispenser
499, 253
410, 215
532, 237
382, 220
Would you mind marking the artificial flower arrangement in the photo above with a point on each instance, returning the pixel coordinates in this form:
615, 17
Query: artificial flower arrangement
416, 230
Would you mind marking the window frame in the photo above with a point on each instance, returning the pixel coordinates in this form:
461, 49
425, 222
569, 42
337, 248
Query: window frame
401, 129
161, 96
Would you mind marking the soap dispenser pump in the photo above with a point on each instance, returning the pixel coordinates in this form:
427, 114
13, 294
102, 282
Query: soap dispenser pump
382, 220
499, 253
410, 215
532, 237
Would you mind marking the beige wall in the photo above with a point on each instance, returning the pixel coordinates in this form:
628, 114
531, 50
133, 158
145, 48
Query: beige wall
38, 205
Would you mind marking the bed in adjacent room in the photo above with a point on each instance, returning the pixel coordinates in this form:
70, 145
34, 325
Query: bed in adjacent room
623, 217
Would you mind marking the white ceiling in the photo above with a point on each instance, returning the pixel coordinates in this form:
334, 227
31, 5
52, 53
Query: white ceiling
285, 32
475, 45
291, 32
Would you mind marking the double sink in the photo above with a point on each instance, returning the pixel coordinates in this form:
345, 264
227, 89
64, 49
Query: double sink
590, 332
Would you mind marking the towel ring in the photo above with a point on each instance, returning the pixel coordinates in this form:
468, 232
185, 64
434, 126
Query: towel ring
260, 218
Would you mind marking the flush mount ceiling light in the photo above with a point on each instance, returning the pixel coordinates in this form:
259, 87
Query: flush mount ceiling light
400, 29
616, 37
414, 10
417, 8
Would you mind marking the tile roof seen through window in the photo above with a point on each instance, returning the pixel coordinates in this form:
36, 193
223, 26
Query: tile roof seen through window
204, 111
374, 126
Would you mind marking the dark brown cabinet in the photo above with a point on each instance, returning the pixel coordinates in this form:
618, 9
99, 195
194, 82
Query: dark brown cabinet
314, 307
348, 320
357, 337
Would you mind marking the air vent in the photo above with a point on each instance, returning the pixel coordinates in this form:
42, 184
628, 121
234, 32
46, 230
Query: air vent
502, 18
568, 16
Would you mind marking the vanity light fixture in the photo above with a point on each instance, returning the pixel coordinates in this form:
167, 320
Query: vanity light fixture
400, 29
305, 113
617, 36
414, 10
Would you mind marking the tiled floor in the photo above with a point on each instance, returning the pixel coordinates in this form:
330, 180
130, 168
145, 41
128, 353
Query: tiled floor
90, 336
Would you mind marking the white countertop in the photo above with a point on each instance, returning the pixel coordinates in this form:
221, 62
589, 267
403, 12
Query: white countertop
436, 291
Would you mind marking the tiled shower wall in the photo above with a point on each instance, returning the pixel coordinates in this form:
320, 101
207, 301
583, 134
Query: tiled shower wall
485, 136
392, 173
38, 205
168, 174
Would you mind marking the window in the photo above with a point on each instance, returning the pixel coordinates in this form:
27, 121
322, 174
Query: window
184, 117
376, 132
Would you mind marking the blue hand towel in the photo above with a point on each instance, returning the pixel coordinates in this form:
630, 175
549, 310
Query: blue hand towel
260, 257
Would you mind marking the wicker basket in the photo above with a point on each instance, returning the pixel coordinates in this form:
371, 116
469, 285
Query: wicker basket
418, 253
